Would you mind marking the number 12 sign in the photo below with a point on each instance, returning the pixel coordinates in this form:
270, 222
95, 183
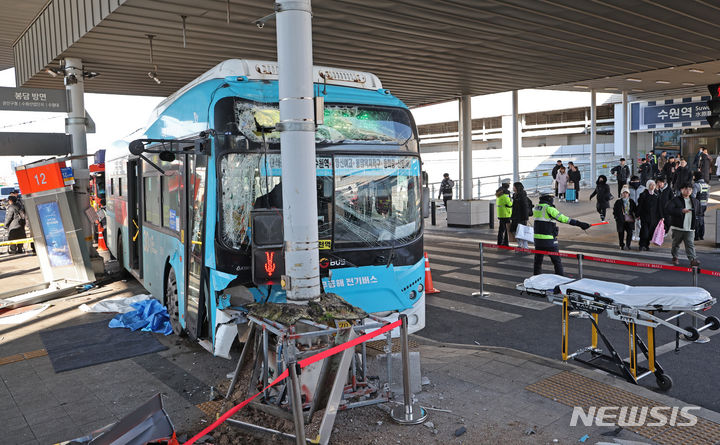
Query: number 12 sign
41, 178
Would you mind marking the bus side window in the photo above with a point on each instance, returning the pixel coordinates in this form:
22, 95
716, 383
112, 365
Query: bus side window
112, 186
153, 210
120, 190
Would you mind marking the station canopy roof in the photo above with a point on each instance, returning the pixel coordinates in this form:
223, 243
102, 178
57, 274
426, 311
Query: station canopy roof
424, 51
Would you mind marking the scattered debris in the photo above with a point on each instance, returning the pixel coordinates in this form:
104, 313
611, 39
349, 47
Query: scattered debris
438, 409
120, 305
584, 438
530, 431
612, 433
424, 381
379, 422
429, 425
460, 431
21, 315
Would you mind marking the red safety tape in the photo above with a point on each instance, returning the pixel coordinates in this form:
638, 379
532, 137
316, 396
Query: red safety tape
303, 363
710, 272
560, 254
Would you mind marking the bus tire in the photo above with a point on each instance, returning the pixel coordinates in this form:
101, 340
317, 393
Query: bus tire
123, 273
172, 302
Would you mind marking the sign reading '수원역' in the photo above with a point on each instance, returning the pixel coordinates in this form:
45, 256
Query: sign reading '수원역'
33, 99
678, 112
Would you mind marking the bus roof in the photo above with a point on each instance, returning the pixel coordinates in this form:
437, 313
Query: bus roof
268, 70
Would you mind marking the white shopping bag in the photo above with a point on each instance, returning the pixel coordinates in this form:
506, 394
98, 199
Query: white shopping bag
525, 233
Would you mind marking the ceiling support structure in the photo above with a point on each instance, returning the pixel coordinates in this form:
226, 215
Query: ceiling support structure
593, 136
75, 126
466, 144
297, 149
626, 118
515, 138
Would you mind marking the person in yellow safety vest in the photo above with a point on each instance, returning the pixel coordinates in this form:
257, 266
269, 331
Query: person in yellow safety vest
545, 215
503, 203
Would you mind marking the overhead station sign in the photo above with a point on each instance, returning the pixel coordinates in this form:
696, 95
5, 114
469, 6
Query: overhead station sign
34, 99
686, 112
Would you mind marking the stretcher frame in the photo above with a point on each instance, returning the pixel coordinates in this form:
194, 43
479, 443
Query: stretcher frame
593, 304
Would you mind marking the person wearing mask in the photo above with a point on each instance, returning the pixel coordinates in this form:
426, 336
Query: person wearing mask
624, 212
683, 175
665, 194
602, 191
645, 170
521, 207
701, 190
682, 211
622, 173
545, 214
669, 171
562, 180
635, 187
504, 205
574, 177
446, 189
555, 169
648, 211
705, 165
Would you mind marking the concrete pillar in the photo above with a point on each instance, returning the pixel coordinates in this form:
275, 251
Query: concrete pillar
75, 127
515, 138
625, 126
593, 136
459, 184
297, 142
466, 119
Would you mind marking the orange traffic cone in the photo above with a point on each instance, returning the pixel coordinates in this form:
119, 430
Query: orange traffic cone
429, 289
101, 239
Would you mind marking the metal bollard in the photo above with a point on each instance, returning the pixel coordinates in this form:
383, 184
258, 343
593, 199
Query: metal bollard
410, 413
297, 409
580, 264
491, 215
433, 209
482, 292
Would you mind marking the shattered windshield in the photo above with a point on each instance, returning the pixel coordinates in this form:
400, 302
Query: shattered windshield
343, 123
362, 200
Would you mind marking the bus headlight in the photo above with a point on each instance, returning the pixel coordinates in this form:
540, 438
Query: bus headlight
413, 295
413, 319
420, 288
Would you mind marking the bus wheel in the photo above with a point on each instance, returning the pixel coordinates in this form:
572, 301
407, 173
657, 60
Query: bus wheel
171, 301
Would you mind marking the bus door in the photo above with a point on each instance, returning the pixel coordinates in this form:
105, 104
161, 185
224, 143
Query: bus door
196, 282
134, 221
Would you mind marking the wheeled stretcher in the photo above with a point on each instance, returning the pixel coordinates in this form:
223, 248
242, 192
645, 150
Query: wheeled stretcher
633, 306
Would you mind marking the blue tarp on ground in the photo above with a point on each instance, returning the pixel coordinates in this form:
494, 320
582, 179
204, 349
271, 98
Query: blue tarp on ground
149, 315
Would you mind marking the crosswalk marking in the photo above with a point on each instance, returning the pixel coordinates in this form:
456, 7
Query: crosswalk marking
470, 309
591, 267
630, 255
526, 303
443, 267
588, 269
453, 259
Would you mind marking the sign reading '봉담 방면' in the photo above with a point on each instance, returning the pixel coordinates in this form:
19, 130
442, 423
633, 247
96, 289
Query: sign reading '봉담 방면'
34, 99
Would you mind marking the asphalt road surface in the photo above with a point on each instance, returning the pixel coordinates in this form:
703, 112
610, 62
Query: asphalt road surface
507, 318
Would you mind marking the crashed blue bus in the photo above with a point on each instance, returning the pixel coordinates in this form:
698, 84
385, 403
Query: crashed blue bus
181, 197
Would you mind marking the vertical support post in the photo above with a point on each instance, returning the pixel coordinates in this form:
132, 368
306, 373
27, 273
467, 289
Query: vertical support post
265, 370
651, 346
626, 118
297, 409
466, 118
580, 264
633, 350
433, 210
245, 349
695, 284
565, 316
677, 335
297, 142
388, 354
593, 136
410, 413
491, 213
594, 336
515, 138
482, 292
75, 127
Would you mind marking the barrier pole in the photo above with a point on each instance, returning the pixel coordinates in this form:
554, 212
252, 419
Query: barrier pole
491, 216
580, 265
565, 328
388, 354
433, 208
651, 346
695, 284
297, 409
482, 292
410, 413
594, 331
633, 350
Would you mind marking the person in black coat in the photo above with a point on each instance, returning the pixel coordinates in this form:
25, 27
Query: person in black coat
574, 177
645, 170
665, 194
602, 191
520, 210
683, 211
624, 212
15, 224
555, 169
683, 175
622, 173
649, 212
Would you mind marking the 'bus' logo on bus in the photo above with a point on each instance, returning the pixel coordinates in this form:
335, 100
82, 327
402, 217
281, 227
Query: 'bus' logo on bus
270, 263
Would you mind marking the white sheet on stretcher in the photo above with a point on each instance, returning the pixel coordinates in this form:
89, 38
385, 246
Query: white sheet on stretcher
633, 296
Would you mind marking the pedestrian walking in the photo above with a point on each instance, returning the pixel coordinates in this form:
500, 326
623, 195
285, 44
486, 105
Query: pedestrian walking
695, 166
521, 208
625, 211
635, 188
562, 181
665, 195
15, 224
446, 189
555, 169
645, 170
683, 175
503, 205
662, 160
622, 173
682, 211
574, 177
701, 190
648, 211
602, 191
669, 171
705, 165
546, 232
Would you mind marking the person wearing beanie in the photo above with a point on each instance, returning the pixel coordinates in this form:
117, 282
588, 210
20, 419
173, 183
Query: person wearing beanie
602, 191
503, 204
625, 211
